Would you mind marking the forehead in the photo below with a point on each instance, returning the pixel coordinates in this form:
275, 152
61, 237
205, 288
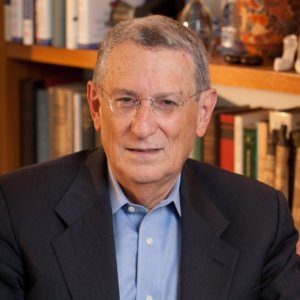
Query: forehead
129, 63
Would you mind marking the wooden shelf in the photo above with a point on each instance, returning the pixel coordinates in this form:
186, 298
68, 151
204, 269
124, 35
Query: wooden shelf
51, 55
262, 77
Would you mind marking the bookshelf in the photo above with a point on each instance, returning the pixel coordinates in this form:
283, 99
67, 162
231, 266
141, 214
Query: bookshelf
19, 61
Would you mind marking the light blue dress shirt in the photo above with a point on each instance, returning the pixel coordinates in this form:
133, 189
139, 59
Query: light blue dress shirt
147, 245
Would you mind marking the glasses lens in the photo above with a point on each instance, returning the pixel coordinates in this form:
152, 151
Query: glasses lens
127, 105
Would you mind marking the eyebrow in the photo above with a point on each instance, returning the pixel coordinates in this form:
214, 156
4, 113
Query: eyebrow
130, 92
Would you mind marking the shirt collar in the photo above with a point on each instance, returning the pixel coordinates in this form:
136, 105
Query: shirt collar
118, 198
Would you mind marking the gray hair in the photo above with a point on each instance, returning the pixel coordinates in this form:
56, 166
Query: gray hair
155, 32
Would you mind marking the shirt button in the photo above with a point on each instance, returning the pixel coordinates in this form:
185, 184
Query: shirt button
149, 242
131, 209
149, 297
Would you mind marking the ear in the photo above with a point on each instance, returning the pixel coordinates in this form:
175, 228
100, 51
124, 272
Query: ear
206, 105
94, 104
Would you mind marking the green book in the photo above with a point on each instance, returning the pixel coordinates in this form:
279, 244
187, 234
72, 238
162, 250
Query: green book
250, 153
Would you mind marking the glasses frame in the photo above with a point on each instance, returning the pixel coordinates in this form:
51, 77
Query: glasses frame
138, 101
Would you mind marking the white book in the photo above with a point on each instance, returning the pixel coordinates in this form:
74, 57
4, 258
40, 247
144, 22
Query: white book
28, 22
17, 21
93, 19
43, 14
240, 122
71, 24
7, 20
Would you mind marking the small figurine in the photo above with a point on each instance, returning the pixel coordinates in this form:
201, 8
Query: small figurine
286, 61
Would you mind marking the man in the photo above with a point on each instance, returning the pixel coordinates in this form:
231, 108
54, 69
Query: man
136, 219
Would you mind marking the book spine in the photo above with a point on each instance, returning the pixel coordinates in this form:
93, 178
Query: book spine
71, 24
59, 23
282, 169
87, 125
44, 12
77, 138
42, 125
262, 144
249, 168
210, 143
296, 192
7, 21
28, 22
17, 21
93, 16
61, 123
227, 142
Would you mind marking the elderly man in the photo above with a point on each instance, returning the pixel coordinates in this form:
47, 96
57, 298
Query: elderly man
136, 219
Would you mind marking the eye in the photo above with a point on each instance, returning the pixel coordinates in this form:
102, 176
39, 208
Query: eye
124, 101
166, 104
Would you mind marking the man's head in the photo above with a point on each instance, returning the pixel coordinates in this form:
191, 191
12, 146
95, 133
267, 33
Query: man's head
151, 33
149, 103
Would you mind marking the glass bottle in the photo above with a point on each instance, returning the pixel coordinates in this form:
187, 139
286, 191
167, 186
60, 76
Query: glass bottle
196, 16
230, 41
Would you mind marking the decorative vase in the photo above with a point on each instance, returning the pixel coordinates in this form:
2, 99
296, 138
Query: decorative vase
264, 23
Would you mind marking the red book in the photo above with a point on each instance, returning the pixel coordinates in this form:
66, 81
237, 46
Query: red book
227, 142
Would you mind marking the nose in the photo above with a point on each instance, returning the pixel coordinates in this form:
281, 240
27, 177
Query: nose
144, 122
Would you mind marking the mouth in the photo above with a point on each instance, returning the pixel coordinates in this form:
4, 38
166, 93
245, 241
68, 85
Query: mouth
144, 151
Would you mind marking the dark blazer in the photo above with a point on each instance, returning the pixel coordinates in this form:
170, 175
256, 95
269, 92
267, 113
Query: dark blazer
56, 235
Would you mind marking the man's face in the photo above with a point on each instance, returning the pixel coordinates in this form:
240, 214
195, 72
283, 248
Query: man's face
144, 148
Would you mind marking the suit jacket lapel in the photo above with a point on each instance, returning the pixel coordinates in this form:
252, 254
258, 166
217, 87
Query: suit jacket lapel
207, 262
85, 250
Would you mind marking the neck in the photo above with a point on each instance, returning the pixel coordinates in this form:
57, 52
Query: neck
148, 195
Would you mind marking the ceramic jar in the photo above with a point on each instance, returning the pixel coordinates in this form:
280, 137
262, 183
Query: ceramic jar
264, 23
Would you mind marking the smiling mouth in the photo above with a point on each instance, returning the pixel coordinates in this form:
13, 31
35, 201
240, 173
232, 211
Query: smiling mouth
150, 150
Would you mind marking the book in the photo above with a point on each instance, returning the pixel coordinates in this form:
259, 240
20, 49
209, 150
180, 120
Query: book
61, 118
262, 147
59, 23
7, 20
28, 22
93, 17
245, 118
282, 154
44, 19
28, 88
294, 143
296, 186
250, 152
84, 133
71, 24
42, 125
196, 152
268, 176
17, 21
211, 139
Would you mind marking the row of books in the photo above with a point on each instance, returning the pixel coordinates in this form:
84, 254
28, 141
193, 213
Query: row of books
59, 23
256, 142
55, 119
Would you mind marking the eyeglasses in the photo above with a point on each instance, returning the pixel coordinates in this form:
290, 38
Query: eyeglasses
123, 104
